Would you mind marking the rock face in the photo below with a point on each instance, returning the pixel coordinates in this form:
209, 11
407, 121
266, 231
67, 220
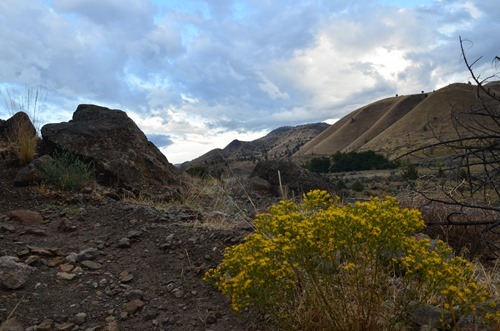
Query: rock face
119, 150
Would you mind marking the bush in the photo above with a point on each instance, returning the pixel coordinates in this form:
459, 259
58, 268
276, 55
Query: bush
357, 186
317, 266
409, 171
66, 171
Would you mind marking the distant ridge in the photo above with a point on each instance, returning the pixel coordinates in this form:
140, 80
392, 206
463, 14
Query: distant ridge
279, 143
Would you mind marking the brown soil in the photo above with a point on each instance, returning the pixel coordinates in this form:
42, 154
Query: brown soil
166, 260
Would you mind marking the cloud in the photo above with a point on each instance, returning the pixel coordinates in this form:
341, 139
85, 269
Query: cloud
160, 140
190, 69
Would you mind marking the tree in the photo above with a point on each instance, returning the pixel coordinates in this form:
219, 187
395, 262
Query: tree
469, 175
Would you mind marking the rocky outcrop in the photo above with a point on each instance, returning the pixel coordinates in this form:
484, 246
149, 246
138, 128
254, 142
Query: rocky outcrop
118, 149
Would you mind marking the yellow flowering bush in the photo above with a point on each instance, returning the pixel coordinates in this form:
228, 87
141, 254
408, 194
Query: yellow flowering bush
319, 265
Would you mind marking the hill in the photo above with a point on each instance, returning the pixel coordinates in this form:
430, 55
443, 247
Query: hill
396, 125
391, 126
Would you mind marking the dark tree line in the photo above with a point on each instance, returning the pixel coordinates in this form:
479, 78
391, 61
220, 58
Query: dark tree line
350, 161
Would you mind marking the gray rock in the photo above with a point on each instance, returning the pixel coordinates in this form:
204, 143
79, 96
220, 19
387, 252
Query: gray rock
65, 275
91, 265
13, 275
124, 243
87, 254
80, 318
133, 306
134, 294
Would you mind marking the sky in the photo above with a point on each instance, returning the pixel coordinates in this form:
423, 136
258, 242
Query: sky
194, 74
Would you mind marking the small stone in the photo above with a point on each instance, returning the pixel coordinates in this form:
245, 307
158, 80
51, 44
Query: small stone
133, 306
112, 324
80, 318
134, 295
124, 243
71, 258
134, 234
66, 267
7, 228
211, 318
26, 217
178, 293
41, 251
91, 265
125, 276
87, 254
46, 325
65, 275
32, 259
23, 251
56, 261
65, 326
78, 270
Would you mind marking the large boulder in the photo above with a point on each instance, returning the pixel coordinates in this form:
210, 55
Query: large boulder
118, 149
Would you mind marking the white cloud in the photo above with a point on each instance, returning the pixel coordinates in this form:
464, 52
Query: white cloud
193, 70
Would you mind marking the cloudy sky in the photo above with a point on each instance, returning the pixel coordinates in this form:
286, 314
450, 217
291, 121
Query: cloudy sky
195, 75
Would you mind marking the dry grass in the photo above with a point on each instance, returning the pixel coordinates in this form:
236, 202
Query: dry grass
23, 139
208, 197
214, 198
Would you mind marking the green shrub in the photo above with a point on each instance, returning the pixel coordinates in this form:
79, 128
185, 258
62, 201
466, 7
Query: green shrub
357, 186
66, 171
409, 171
317, 266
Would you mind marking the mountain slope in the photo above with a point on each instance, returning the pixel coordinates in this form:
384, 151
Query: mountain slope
397, 125
361, 126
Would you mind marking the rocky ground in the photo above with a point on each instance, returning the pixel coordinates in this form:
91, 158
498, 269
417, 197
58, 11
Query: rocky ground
91, 262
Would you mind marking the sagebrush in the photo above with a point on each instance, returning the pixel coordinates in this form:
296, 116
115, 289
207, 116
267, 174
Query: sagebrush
316, 265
